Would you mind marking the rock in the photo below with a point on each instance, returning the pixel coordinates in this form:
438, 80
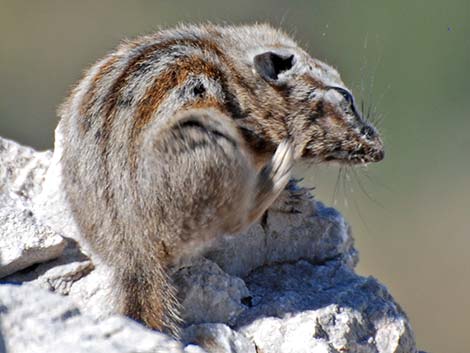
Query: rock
93, 293
326, 308
24, 240
286, 285
191, 348
22, 169
208, 294
50, 204
288, 336
313, 232
218, 338
58, 275
34, 320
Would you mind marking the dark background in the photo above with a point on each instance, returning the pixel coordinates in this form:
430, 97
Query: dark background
410, 59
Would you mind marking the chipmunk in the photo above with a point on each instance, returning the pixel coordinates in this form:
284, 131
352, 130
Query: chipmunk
179, 137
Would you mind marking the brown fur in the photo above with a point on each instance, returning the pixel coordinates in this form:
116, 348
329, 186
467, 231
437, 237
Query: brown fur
179, 137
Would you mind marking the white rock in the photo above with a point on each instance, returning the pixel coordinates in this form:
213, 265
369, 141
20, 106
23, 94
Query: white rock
208, 294
286, 336
22, 169
302, 308
60, 274
252, 282
50, 204
34, 320
314, 232
218, 338
192, 348
24, 240
93, 293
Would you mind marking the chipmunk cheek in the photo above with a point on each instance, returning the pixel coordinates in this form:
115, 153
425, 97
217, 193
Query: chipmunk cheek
335, 126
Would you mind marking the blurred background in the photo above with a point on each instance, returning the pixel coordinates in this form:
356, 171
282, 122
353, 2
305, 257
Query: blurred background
409, 59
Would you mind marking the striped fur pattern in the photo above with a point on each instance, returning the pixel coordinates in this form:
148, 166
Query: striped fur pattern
177, 137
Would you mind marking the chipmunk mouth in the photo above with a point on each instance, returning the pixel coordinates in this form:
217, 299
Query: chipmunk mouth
359, 156
345, 152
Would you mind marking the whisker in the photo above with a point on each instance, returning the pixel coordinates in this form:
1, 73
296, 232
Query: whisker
359, 212
382, 95
374, 180
363, 189
374, 72
345, 190
364, 65
335, 190
369, 108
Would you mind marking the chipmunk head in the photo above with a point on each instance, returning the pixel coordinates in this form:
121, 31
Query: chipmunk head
306, 99
322, 114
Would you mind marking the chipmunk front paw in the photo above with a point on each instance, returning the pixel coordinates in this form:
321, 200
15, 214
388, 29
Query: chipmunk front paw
292, 198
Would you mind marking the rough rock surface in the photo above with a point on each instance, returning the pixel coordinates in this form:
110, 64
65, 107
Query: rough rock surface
60, 274
300, 307
314, 232
22, 169
208, 294
24, 240
218, 338
34, 320
287, 285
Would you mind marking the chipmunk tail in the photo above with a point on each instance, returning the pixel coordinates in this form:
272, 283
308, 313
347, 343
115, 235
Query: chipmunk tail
146, 295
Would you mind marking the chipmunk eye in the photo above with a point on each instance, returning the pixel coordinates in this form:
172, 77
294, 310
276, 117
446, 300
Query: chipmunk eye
347, 96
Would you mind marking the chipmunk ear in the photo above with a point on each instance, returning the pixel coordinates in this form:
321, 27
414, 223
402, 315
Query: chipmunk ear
269, 65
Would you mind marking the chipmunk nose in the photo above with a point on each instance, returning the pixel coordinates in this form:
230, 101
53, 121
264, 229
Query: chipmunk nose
378, 155
375, 143
378, 152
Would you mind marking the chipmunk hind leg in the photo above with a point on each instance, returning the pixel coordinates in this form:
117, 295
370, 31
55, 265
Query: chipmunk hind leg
198, 184
201, 182
221, 189
208, 171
